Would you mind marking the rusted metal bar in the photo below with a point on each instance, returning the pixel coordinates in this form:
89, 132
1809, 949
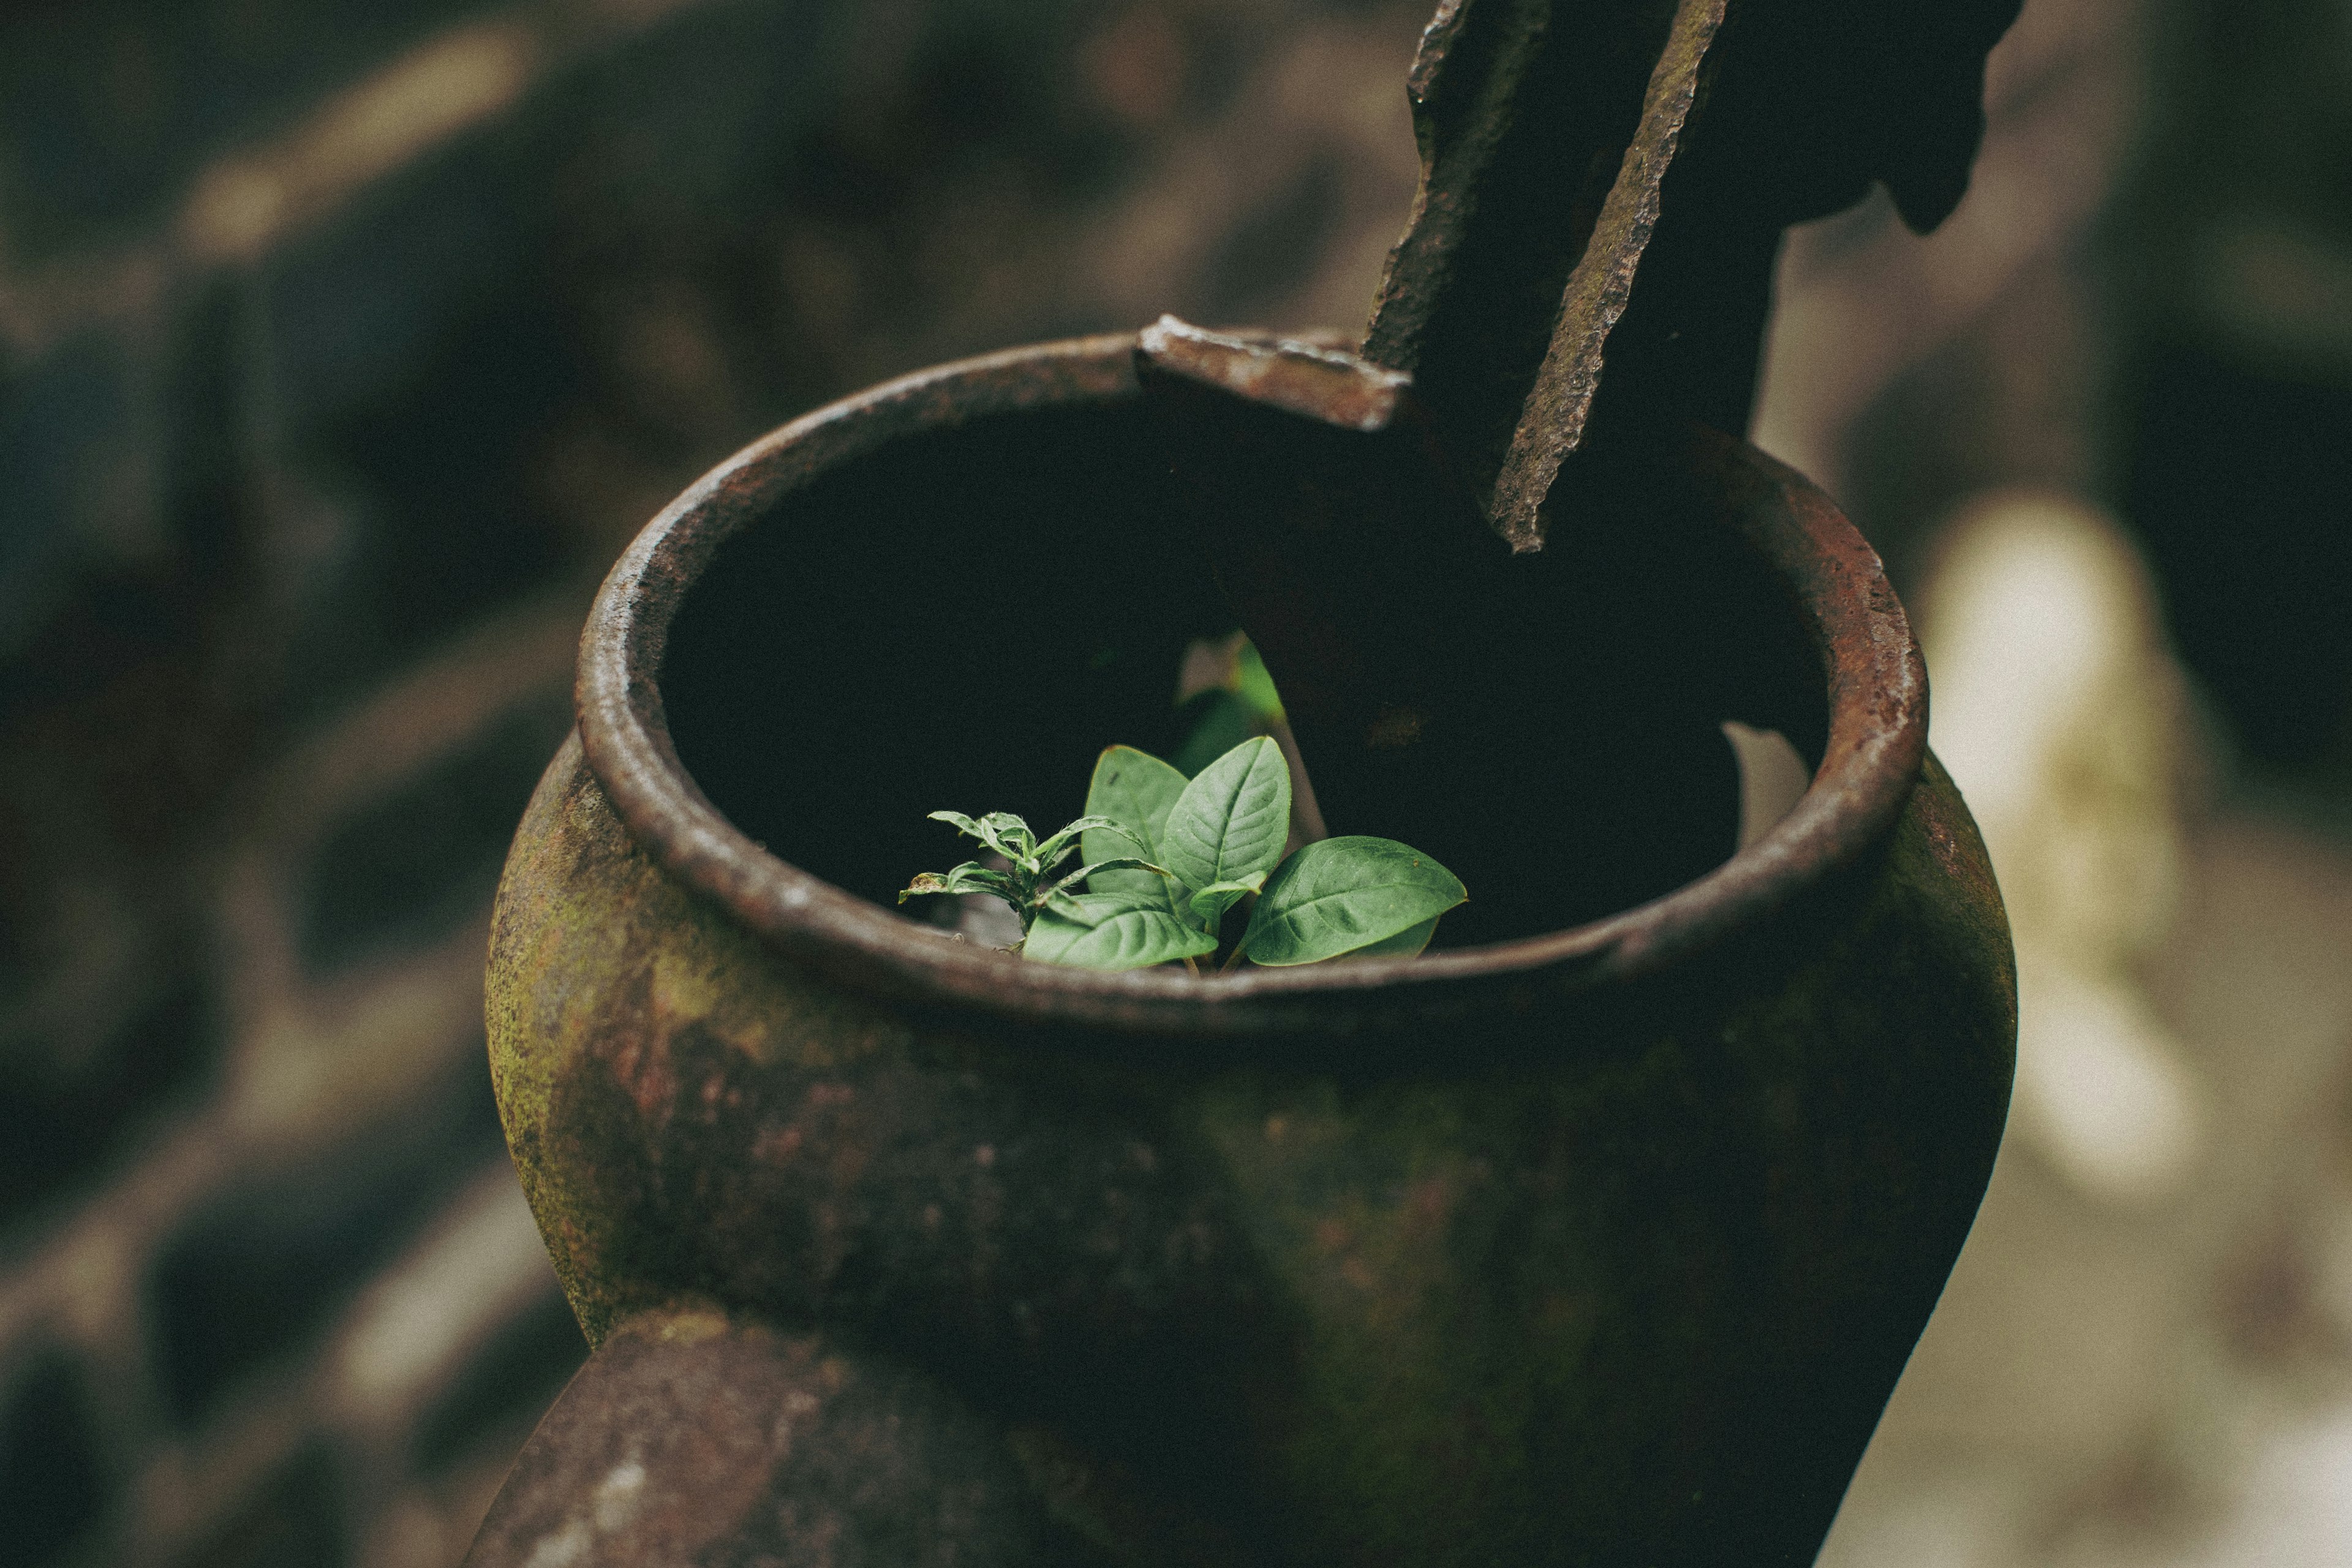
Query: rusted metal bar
1419, 667
1544, 141
1551, 421
1561, 138
1589, 259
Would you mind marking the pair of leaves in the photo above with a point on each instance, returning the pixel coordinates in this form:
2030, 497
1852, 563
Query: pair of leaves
1209, 842
1226, 825
1212, 841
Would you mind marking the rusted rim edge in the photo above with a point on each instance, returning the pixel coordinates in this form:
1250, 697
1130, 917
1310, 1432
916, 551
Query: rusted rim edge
1878, 737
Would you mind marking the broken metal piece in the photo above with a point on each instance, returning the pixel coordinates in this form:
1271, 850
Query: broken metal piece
1551, 421
1523, 117
1328, 386
1602, 192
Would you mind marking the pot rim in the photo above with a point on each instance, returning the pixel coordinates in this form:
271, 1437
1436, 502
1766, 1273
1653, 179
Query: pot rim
1876, 739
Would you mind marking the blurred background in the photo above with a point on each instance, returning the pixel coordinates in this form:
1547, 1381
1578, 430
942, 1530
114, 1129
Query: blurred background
343, 345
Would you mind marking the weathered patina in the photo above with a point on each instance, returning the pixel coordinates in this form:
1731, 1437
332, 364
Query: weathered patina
1599, 1236
1603, 1245
1604, 187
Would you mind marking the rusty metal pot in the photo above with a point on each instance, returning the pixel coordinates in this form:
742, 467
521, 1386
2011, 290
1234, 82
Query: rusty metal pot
1602, 1246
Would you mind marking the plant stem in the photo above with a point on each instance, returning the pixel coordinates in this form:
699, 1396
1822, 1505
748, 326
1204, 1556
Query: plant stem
1194, 967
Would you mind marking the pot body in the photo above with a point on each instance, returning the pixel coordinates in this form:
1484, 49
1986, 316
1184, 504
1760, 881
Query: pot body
1603, 1247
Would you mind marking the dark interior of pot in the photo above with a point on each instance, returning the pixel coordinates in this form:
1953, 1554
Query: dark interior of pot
964, 618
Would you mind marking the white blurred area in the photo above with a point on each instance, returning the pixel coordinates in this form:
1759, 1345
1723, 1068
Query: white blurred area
2059, 713
2141, 1360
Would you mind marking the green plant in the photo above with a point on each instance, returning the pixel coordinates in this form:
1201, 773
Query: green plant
1242, 702
1022, 880
1167, 857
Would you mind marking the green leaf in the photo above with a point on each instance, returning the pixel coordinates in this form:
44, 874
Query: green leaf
1343, 895
1112, 930
1219, 721
1135, 790
1254, 686
971, 876
1111, 867
1210, 904
1231, 821
1156, 900
1008, 835
1404, 944
1001, 831
1052, 853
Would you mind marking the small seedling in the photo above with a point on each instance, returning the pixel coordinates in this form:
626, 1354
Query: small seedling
1166, 857
1022, 881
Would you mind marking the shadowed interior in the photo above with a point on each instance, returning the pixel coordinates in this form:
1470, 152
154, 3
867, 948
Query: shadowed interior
964, 618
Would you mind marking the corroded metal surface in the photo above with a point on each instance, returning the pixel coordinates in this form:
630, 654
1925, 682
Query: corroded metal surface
1869, 755
695, 1438
1585, 169
1551, 421
1604, 180
1602, 1244
1599, 1237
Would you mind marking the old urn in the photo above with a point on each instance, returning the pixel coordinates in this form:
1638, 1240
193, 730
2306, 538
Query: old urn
1599, 1235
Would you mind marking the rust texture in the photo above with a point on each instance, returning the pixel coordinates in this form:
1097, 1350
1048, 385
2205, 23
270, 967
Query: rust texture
1599, 1235
1312, 381
1604, 182
1605, 1244
695, 1438
1586, 275
1551, 421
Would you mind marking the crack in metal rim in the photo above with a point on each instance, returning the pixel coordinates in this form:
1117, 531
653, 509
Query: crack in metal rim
1876, 697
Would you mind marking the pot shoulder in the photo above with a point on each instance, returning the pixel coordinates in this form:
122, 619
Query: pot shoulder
603, 969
